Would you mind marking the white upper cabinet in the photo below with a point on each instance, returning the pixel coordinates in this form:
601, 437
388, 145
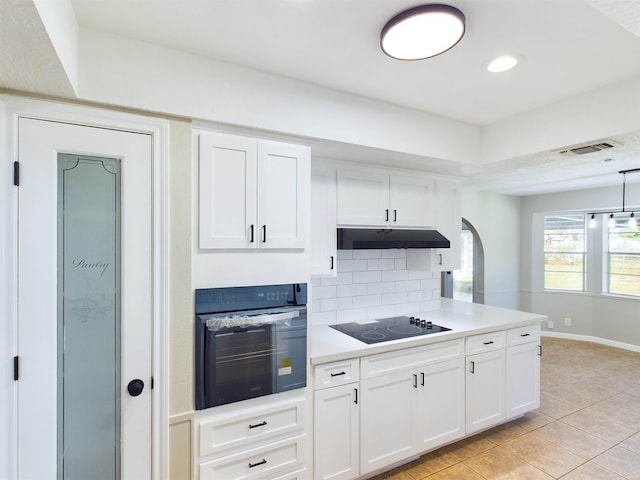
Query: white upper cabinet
252, 192
448, 222
411, 201
372, 199
323, 225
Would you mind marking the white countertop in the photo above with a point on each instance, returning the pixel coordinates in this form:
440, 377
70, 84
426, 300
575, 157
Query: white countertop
464, 319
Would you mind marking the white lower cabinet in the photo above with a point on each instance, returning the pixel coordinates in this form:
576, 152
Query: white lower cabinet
439, 412
337, 432
413, 400
386, 420
485, 380
523, 370
237, 442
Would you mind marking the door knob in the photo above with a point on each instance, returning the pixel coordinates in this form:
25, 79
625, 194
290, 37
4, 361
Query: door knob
135, 387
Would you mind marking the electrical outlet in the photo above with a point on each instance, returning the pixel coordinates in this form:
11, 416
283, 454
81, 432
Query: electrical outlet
549, 323
567, 321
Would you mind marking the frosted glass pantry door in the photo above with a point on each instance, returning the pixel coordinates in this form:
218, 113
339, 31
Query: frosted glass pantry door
85, 295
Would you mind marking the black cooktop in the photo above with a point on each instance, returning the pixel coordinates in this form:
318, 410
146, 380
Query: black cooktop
392, 328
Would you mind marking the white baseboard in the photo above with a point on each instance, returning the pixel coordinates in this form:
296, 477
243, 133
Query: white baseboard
588, 338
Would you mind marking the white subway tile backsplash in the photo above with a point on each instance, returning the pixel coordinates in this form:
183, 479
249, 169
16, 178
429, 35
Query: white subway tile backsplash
383, 287
372, 284
394, 253
408, 285
381, 264
351, 290
345, 254
367, 254
324, 292
335, 303
342, 278
367, 277
366, 301
419, 275
394, 275
393, 298
352, 265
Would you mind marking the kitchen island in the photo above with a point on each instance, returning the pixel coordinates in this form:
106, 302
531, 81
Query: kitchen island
381, 404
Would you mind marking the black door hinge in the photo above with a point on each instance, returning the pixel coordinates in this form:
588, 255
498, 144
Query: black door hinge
16, 174
16, 368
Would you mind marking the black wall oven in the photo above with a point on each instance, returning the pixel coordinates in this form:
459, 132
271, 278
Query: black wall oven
250, 341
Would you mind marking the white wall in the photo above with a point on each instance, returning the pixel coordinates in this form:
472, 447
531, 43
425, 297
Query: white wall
593, 313
118, 71
372, 284
496, 218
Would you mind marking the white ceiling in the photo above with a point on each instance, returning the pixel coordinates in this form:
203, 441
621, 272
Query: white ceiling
569, 47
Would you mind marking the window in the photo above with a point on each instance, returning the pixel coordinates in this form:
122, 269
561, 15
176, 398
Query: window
624, 257
564, 252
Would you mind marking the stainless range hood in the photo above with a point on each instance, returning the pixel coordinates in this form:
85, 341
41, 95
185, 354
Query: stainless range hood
365, 238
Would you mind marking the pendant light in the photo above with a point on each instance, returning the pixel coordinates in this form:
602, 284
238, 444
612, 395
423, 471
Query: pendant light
422, 32
632, 223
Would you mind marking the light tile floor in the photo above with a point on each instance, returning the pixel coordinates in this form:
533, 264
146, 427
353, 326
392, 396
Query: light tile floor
587, 427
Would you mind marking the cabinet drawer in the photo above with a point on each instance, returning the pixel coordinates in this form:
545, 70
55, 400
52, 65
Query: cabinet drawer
261, 462
485, 342
221, 432
517, 336
336, 373
396, 361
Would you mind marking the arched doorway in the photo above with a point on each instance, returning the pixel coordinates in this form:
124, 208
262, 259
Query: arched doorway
467, 283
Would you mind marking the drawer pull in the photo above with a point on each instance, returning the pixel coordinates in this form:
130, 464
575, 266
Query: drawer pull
356, 399
251, 465
489, 342
525, 334
415, 381
256, 425
422, 375
473, 366
338, 374
539, 350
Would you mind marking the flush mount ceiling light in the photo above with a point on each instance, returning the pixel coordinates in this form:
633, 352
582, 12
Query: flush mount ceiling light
502, 63
632, 223
422, 32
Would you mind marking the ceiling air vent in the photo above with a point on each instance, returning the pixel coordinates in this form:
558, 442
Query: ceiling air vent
583, 149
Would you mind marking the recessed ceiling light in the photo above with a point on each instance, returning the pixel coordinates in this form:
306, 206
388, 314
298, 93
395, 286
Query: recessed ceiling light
422, 32
502, 63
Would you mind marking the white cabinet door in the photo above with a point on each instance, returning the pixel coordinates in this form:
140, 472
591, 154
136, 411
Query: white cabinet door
363, 198
439, 410
485, 392
411, 202
523, 379
336, 431
386, 424
253, 193
323, 224
283, 171
448, 223
227, 191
